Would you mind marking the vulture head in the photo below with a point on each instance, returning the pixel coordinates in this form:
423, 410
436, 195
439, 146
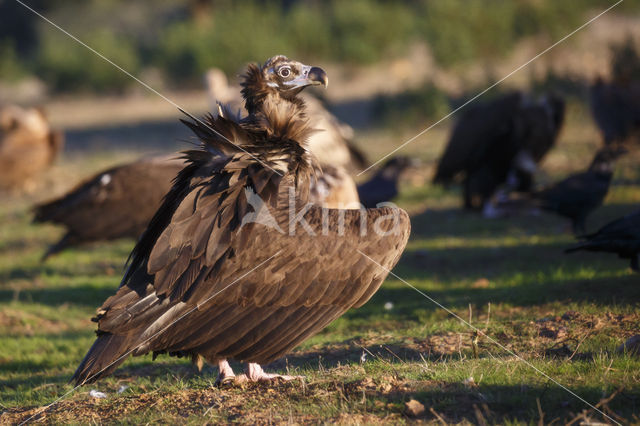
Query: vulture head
281, 78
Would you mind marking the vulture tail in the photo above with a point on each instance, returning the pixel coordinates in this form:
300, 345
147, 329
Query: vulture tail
585, 245
106, 354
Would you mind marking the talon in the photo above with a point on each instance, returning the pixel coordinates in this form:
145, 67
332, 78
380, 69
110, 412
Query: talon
225, 375
255, 373
242, 379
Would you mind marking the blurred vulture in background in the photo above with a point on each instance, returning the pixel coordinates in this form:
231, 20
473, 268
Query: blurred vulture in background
577, 196
383, 186
332, 144
28, 146
616, 110
615, 104
116, 203
622, 236
500, 142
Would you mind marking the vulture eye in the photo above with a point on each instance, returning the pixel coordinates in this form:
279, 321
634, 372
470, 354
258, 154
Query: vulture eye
284, 72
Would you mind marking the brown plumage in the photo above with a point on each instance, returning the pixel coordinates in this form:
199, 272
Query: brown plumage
204, 283
332, 144
115, 203
28, 146
119, 202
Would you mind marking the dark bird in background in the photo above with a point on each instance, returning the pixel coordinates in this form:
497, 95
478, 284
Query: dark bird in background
616, 110
221, 272
497, 142
332, 144
334, 188
383, 186
116, 203
622, 236
28, 146
577, 196
615, 104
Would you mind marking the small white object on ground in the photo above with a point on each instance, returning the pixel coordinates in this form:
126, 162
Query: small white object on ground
122, 388
97, 394
388, 306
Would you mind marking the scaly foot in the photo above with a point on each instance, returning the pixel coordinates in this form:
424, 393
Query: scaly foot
255, 373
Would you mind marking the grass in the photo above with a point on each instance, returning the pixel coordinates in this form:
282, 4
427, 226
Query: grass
564, 315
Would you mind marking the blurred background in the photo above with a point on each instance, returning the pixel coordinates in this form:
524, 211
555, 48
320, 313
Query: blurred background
393, 65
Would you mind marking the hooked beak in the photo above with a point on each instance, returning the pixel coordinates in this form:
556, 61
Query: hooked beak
310, 76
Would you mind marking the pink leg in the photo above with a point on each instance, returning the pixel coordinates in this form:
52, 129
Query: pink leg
225, 373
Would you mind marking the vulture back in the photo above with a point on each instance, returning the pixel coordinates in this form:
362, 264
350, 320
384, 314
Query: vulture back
116, 203
474, 135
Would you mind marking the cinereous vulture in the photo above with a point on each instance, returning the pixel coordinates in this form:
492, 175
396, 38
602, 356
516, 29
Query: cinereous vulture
28, 146
497, 142
226, 269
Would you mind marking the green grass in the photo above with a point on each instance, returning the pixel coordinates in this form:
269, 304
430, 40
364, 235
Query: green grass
565, 315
